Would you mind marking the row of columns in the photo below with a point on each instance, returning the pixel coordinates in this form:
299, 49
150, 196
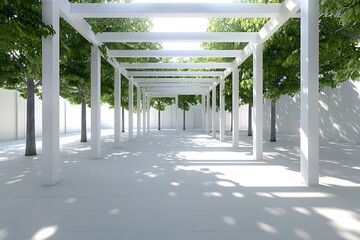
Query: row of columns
309, 107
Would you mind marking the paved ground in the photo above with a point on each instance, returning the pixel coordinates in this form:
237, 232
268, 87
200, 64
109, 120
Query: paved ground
180, 187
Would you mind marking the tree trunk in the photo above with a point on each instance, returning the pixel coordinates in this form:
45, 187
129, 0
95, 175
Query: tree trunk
83, 122
30, 149
231, 122
122, 120
184, 120
273, 122
250, 121
159, 128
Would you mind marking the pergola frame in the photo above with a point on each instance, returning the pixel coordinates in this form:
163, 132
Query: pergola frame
278, 13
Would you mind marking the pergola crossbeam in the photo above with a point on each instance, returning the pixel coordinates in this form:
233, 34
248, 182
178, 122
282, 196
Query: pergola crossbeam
170, 10
174, 73
174, 53
177, 37
176, 80
174, 65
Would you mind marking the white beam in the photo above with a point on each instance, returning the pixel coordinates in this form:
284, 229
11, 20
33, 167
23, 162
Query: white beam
117, 108
138, 111
177, 113
177, 37
143, 107
203, 113
131, 109
309, 105
148, 113
222, 112
290, 7
170, 10
77, 22
95, 102
175, 65
213, 106
174, 53
174, 73
50, 97
175, 80
208, 115
176, 84
235, 107
258, 102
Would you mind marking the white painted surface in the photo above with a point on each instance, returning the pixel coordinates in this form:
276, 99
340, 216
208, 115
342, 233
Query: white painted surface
339, 115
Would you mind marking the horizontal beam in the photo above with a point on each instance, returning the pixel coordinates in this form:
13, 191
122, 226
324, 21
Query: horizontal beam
176, 80
174, 53
173, 73
175, 65
170, 10
176, 84
177, 37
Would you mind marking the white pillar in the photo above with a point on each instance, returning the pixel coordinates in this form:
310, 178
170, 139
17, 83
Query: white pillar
144, 112
177, 113
222, 112
131, 109
203, 113
258, 102
138, 112
309, 103
95, 102
117, 108
208, 115
50, 96
148, 114
213, 105
235, 106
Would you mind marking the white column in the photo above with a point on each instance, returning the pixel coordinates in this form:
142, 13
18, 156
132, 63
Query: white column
222, 112
177, 113
117, 108
138, 112
144, 112
50, 96
258, 102
148, 114
309, 104
235, 106
95, 102
213, 105
131, 109
203, 116
208, 115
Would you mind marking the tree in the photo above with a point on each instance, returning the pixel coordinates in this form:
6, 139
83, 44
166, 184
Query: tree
185, 103
21, 31
75, 67
339, 54
160, 105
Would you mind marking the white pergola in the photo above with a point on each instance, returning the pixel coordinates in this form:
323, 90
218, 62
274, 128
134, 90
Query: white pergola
156, 80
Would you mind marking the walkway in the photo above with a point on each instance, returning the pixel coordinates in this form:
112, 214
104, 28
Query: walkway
180, 187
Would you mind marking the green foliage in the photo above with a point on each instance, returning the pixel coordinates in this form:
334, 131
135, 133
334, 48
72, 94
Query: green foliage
186, 101
339, 52
21, 31
161, 103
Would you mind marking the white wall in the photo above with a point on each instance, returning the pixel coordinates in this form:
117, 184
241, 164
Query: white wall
339, 115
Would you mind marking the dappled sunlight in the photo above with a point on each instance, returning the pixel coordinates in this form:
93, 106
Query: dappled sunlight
267, 228
345, 221
193, 186
45, 233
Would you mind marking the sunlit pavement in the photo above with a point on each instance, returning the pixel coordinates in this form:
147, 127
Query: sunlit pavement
182, 186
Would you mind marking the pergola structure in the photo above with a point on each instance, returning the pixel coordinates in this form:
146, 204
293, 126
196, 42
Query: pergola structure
152, 83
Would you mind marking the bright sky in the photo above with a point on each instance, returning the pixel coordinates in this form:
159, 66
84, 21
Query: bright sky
181, 24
